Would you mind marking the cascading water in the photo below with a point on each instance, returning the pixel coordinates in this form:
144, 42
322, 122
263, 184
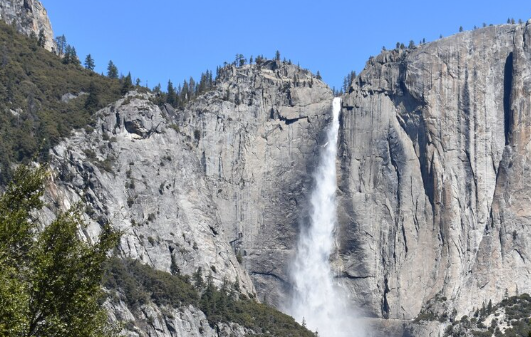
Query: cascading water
317, 300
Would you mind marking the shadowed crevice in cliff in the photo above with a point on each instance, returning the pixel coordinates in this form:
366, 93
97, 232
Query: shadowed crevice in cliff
412, 122
469, 132
507, 88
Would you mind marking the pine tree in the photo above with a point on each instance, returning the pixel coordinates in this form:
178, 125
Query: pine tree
112, 70
318, 75
42, 39
67, 54
89, 62
60, 44
460, 29
171, 97
127, 84
73, 56
198, 278
277, 56
93, 102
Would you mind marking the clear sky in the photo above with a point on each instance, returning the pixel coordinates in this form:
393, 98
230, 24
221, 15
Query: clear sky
159, 40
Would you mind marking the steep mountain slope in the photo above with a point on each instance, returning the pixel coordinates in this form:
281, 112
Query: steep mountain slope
434, 175
42, 99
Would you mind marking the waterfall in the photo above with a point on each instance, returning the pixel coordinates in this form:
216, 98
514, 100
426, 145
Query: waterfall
317, 299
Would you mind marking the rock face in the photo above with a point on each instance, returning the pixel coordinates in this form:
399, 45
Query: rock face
29, 17
170, 322
434, 175
143, 177
219, 185
258, 137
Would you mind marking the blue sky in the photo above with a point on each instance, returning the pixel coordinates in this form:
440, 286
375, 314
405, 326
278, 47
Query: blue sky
159, 40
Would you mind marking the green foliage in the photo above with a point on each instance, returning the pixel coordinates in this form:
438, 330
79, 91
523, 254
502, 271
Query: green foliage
70, 56
347, 81
42, 39
112, 70
140, 284
49, 280
32, 116
89, 62
60, 45
127, 84
188, 91
92, 103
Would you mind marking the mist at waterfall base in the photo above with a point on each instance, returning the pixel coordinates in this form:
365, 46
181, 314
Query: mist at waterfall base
317, 299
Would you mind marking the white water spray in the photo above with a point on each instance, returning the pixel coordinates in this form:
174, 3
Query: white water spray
317, 300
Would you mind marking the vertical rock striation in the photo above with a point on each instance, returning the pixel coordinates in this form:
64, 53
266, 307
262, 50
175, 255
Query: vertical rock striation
434, 175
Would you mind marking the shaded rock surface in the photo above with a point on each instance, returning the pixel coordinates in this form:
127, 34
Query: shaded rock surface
29, 17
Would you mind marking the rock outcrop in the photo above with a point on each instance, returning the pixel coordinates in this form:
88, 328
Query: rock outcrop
29, 17
434, 175
157, 321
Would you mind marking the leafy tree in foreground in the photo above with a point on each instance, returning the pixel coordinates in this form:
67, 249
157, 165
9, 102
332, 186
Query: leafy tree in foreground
50, 279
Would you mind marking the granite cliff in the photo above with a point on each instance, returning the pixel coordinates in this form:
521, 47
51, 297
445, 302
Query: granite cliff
433, 184
29, 17
433, 180
216, 186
